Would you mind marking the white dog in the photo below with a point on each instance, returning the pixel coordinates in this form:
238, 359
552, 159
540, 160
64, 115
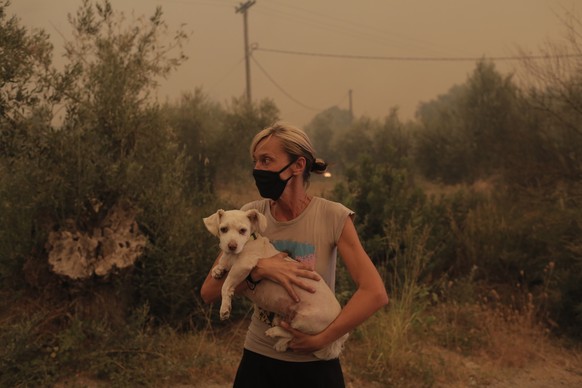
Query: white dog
315, 311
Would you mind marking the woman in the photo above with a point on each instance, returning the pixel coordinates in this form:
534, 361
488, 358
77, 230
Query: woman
313, 230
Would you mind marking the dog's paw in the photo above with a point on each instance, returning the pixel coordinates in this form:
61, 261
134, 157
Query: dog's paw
224, 314
283, 335
276, 321
282, 344
272, 332
225, 311
218, 272
278, 332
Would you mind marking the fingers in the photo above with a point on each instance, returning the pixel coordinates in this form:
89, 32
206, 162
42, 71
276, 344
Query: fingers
298, 268
291, 291
290, 284
303, 285
300, 341
295, 333
288, 273
308, 274
302, 272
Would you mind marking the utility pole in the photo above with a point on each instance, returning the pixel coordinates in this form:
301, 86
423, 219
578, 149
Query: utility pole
351, 108
242, 8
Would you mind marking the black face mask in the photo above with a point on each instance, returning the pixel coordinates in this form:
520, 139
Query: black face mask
269, 183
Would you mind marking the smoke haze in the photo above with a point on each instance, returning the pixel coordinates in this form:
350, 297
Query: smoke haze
430, 44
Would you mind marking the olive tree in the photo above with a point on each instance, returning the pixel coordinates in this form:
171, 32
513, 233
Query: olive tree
468, 133
25, 101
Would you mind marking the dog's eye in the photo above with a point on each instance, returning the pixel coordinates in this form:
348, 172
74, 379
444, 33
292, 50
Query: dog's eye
224, 229
243, 231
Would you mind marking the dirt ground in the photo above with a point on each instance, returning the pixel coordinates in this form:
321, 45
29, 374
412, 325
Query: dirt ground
541, 375
554, 371
559, 369
552, 365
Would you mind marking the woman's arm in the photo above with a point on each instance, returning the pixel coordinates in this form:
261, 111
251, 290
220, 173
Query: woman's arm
288, 273
369, 297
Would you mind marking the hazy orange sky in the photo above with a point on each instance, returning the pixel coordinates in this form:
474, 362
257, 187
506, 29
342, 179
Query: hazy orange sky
303, 85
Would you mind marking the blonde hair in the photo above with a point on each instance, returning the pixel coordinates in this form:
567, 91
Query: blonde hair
296, 143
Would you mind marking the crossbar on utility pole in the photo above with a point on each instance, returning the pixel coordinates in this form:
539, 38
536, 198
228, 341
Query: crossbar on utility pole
243, 8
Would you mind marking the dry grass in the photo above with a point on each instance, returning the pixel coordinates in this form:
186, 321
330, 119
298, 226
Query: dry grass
451, 345
448, 345
214, 353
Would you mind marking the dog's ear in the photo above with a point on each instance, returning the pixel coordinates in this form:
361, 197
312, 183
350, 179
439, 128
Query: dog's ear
258, 220
212, 222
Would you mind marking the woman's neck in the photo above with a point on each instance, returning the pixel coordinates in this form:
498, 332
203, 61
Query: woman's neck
290, 206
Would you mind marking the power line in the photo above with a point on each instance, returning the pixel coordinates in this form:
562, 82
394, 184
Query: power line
197, 2
416, 59
344, 97
325, 21
226, 74
281, 88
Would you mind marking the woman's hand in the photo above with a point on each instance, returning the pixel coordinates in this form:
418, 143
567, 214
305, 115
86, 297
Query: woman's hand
301, 342
288, 273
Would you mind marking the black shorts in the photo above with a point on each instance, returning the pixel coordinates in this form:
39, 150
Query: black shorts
257, 371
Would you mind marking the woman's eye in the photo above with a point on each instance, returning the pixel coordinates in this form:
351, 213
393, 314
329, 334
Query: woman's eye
262, 162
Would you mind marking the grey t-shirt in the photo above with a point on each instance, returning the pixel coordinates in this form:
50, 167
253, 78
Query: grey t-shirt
310, 238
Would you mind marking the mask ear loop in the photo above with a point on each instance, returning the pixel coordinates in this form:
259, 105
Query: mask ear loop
287, 166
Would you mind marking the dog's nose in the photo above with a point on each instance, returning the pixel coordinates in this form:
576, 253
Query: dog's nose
232, 246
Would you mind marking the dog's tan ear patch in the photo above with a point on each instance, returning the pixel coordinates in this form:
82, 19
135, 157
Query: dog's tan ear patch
258, 220
212, 222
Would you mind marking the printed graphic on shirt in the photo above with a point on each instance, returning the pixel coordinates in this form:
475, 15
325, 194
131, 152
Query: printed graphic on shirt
302, 252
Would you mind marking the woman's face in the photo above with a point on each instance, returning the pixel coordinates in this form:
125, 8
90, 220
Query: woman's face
269, 155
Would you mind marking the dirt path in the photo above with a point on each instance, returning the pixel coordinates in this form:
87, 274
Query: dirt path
545, 374
557, 371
